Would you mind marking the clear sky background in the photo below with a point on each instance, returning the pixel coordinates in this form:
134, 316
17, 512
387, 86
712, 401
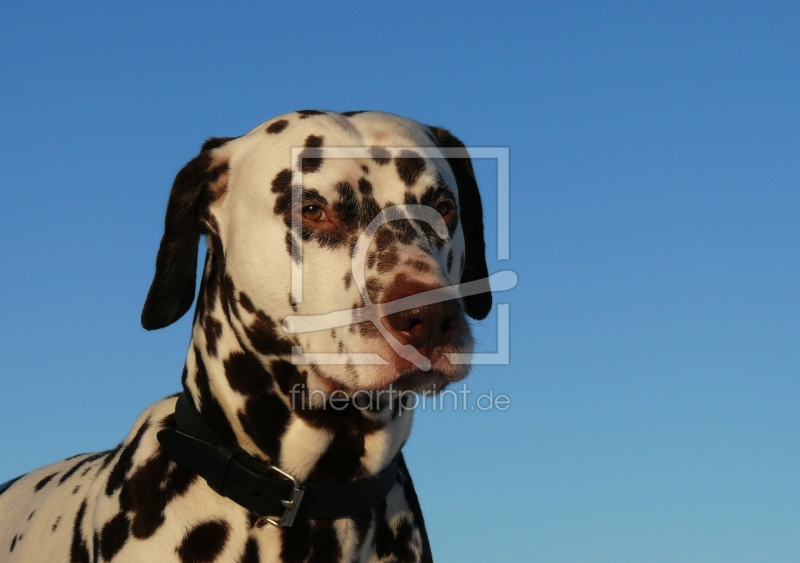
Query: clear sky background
655, 194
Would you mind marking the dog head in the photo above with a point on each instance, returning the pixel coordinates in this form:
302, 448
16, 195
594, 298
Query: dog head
324, 221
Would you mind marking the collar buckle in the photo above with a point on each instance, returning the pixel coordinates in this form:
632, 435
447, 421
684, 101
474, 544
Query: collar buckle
291, 505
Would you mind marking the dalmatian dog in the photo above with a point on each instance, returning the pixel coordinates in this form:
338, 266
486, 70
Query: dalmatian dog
276, 394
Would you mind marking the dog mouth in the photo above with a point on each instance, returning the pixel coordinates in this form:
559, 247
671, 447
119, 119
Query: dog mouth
417, 380
406, 379
398, 393
394, 371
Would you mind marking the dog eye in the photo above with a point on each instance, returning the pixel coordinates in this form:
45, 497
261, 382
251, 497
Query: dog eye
314, 212
446, 210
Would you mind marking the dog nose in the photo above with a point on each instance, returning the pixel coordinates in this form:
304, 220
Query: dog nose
426, 327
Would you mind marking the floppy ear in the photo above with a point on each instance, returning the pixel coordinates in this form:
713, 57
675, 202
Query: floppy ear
471, 214
196, 186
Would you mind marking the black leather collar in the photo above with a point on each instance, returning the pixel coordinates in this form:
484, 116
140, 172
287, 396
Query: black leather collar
260, 488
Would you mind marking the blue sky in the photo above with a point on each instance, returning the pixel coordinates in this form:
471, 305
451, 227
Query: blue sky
655, 191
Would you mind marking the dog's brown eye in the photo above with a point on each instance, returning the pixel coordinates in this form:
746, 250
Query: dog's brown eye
314, 212
446, 210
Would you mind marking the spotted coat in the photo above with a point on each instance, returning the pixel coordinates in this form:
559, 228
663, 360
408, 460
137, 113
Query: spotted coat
132, 503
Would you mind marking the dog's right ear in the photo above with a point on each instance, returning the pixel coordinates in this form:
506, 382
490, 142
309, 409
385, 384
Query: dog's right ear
479, 305
196, 186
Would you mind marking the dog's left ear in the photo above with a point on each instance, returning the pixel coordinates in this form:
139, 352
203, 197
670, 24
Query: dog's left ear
471, 214
195, 187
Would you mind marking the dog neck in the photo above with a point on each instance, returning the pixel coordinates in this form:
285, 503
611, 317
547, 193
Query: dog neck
240, 377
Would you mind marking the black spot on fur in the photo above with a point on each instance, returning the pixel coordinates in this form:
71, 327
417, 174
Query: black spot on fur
204, 542
413, 504
265, 416
367, 330
347, 207
264, 419
117, 476
352, 113
388, 259
110, 456
213, 331
76, 489
215, 143
80, 464
228, 296
263, 335
79, 552
310, 542
31, 515
147, 492
383, 533
395, 545
296, 542
277, 127
348, 280
341, 462
210, 284
114, 535
419, 265
410, 166
381, 155
282, 185
211, 410
168, 421
369, 209
311, 157
250, 554
252, 518
55, 524
288, 376
362, 523
13, 544
364, 186
206, 298
282, 182
364, 169
246, 374
384, 239
40, 485
374, 289
404, 231
292, 246
306, 113
401, 546
246, 302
